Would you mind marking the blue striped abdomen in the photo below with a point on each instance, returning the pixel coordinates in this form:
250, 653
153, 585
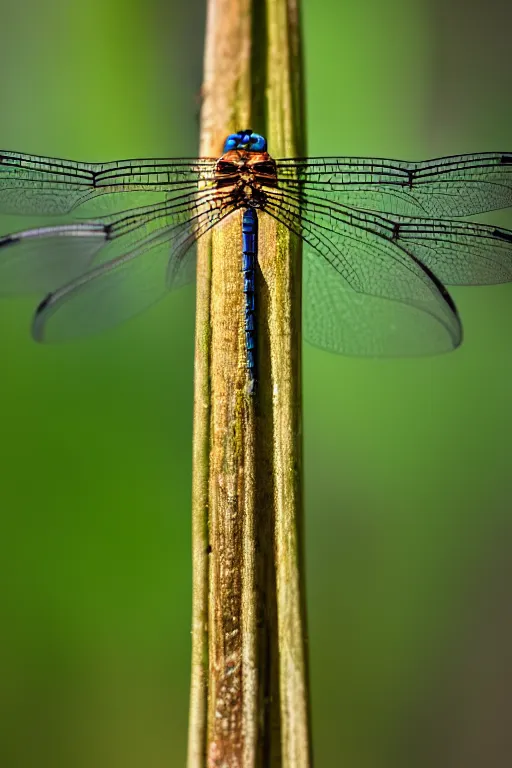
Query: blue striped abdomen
249, 256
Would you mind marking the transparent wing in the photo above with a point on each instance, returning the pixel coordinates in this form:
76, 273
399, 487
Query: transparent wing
449, 186
339, 320
44, 185
133, 259
127, 284
364, 293
457, 252
111, 293
374, 284
38, 260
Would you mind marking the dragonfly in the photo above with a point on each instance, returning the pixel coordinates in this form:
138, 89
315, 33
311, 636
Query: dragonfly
381, 239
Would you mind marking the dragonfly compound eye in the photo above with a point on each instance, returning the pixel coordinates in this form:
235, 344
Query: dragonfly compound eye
231, 142
258, 143
238, 140
252, 142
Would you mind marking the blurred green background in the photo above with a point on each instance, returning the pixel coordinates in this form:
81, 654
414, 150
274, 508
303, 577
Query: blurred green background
408, 471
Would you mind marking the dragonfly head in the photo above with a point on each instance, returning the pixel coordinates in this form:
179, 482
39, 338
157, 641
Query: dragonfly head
245, 170
246, 140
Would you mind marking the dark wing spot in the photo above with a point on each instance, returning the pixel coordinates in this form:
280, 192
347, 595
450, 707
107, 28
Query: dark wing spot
506, 160
8, 240
44, 303
503, 234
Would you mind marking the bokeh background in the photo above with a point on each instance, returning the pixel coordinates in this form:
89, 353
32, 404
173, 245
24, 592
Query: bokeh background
408, 468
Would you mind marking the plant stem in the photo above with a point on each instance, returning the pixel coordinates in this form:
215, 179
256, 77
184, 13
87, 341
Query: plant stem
281, 266
249, 696
226, 78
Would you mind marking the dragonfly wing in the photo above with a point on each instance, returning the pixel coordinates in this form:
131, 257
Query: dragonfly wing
457, 252
47, 186
364, 294
346, 322
182, 271
112, 269
41, 259
37, 260
108, 294
449, 186
124, 285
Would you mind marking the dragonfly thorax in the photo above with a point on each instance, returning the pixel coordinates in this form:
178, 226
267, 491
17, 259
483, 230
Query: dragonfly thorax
244, 175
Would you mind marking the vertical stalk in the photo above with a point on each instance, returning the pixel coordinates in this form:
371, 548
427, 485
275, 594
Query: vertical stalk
281, 266
249, 697
217, 548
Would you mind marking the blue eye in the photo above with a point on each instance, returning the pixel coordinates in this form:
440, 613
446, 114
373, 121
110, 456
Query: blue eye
231, 142
247, 140
258, 143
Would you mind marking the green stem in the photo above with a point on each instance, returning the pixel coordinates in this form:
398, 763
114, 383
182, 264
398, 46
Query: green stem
225, 103
283, 264
249, 696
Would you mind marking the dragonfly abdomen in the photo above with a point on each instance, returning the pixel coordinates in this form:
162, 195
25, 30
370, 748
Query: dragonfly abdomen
249, 256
